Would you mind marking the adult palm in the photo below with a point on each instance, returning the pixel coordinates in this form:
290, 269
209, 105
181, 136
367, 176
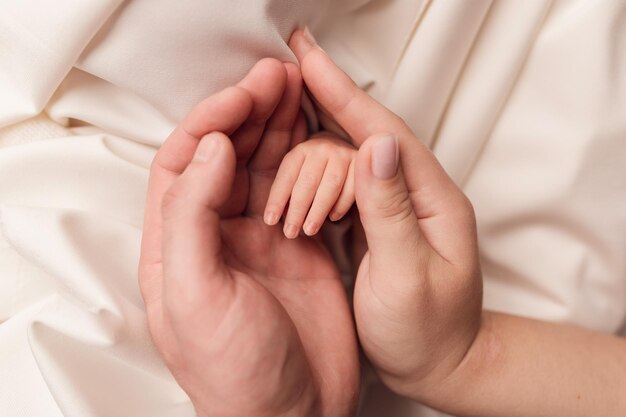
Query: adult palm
249, 323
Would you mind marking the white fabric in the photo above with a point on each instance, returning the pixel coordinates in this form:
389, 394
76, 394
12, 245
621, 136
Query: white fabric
523, 102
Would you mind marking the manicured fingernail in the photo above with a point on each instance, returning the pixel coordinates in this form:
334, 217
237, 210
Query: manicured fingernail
385, 157
291, 231
310, 228
308, 37
207, 148
270, 218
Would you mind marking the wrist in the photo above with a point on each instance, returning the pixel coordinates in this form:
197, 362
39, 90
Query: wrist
447, 366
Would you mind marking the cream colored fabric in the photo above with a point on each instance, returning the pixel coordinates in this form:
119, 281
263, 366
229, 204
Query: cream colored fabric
523, 102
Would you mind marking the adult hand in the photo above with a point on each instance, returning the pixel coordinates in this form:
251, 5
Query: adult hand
249, 322
418, 294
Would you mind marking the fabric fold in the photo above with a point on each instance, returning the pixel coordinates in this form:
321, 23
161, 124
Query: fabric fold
39, 48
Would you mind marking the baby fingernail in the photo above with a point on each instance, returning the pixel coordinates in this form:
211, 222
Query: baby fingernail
291, 231
310, 228
270, 218
385, 157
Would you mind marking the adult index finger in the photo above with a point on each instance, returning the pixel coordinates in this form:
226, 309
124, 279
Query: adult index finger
354, 110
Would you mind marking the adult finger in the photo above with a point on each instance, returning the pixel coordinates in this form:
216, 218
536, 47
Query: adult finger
354, 110
277, 136
266, 85
224, 111
438, 202
385, 208
394, 215
274, 143
192, 260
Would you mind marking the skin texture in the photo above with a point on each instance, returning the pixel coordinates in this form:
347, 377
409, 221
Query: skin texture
418, 291
252, 323
421, 266
316, 179
244, 318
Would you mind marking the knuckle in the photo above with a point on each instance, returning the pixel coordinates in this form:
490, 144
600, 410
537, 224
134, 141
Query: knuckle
171, 201
293, 159
322, 149
347, 154
307, 180
396, 207
293, 154
297, 211
341, 104
334, 180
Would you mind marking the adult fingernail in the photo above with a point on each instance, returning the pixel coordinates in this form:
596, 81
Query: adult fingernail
308, 37
385, 157
207, 148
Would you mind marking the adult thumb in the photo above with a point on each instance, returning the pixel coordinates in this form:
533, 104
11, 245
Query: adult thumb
192, 258
385, 207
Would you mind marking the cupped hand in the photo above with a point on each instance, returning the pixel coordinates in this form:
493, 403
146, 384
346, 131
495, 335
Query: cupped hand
249, 322
418, 294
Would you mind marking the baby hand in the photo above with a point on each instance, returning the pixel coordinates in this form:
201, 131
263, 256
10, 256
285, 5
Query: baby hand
316, 179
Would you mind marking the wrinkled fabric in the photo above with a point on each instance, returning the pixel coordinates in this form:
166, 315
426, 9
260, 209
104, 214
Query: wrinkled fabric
522, 102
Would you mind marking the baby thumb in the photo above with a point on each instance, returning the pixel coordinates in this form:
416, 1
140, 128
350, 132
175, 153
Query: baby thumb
385, 207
